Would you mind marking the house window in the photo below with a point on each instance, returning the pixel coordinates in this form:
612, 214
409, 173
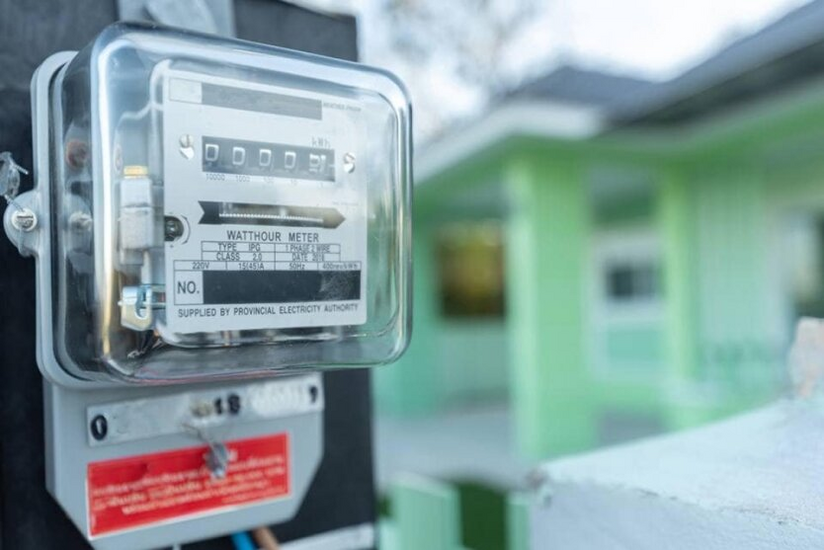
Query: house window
626, 282
626, 303
471, 269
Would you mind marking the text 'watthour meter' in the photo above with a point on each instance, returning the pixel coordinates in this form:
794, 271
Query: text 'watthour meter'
206, 210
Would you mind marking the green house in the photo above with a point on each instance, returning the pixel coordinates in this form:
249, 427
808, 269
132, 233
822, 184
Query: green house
610, 255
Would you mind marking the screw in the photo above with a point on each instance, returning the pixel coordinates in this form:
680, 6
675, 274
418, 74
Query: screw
217, 460
349, 163
24, 220
202, 409
80, 221
77, 154
99, 427
172, 228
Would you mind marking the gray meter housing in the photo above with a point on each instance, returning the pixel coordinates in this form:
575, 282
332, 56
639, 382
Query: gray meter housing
211, 209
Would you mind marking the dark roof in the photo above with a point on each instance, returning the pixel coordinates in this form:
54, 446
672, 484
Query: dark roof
781, 54
568, 83
784, 53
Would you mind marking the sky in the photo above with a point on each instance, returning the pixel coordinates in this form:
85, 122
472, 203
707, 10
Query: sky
656, 39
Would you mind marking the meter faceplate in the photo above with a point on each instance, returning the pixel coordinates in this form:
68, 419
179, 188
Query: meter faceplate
271, 205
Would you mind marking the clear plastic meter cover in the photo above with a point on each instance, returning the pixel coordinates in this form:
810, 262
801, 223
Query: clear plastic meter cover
223, 208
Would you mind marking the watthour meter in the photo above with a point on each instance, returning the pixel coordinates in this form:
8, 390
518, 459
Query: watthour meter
211, 209
206, 210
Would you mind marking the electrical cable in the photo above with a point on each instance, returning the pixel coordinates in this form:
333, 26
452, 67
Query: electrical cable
243, 541
265, 539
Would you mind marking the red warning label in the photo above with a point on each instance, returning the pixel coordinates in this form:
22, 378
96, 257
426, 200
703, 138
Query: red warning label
141, 490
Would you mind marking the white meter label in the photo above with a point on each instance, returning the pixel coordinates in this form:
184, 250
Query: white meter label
265, 209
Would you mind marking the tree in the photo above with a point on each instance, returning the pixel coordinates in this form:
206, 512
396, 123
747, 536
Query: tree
452, 54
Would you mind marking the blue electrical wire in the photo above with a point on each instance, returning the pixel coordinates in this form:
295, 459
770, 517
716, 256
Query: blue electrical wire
243, 541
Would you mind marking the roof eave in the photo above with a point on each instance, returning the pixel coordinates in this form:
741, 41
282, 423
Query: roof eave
549, 120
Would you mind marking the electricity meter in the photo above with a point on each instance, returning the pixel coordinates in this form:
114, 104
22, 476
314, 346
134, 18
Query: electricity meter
205, 211
209, 209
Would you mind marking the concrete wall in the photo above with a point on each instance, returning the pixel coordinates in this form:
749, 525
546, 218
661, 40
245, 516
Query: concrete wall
749, 482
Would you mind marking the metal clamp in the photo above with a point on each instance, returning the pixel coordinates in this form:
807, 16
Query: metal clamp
19, 218
137, 305
10, 176
217, 459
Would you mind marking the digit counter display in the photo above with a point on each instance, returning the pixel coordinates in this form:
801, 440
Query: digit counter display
254, 158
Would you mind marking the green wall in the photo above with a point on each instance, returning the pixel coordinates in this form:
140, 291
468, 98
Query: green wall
411, 386
721, 190
710, 218
546, 247
451, 363
474, 361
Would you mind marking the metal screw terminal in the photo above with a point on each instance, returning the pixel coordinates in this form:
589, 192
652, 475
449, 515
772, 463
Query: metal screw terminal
24, 220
